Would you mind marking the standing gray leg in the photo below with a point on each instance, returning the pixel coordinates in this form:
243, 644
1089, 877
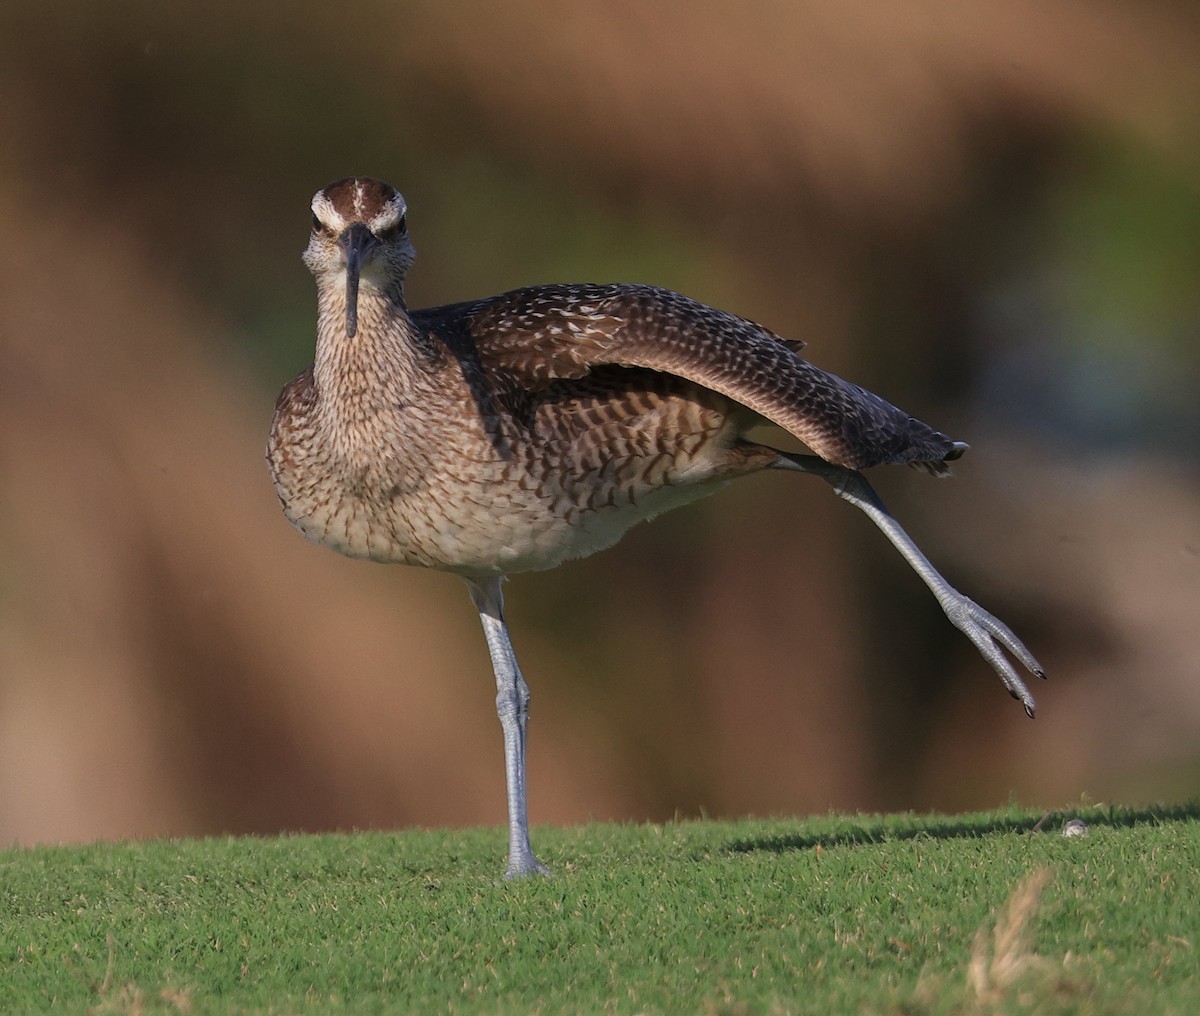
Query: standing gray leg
988, 633
512, 706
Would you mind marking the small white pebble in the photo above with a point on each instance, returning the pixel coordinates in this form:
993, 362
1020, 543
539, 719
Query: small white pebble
1075, 827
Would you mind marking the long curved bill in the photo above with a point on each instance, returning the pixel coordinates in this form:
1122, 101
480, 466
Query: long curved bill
358, 244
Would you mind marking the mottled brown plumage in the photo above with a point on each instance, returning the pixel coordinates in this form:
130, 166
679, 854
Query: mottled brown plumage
511, 433
514, 432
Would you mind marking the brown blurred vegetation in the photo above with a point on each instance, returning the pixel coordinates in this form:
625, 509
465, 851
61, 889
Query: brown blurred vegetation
990, 212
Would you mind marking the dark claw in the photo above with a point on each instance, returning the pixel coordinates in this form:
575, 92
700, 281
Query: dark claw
988, 634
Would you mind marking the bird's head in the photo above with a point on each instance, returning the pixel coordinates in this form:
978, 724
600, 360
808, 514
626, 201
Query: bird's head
359, 230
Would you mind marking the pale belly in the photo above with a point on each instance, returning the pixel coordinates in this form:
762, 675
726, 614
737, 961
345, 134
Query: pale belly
489, 525
441, 491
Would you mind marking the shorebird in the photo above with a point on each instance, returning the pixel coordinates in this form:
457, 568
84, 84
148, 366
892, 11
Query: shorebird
515, 432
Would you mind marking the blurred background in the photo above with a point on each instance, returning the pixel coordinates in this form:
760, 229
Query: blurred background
987, 212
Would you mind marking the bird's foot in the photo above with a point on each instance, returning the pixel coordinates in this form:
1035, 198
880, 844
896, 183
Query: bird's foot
988, 633
523, 865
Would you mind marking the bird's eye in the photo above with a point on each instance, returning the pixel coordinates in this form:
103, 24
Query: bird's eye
395, 229
318, 226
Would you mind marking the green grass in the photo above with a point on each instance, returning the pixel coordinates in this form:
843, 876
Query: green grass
887, 915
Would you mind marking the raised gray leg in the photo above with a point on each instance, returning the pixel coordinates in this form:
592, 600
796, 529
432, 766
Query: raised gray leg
512, 706
988, 633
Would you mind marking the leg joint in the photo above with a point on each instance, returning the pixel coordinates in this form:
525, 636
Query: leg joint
512, 702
